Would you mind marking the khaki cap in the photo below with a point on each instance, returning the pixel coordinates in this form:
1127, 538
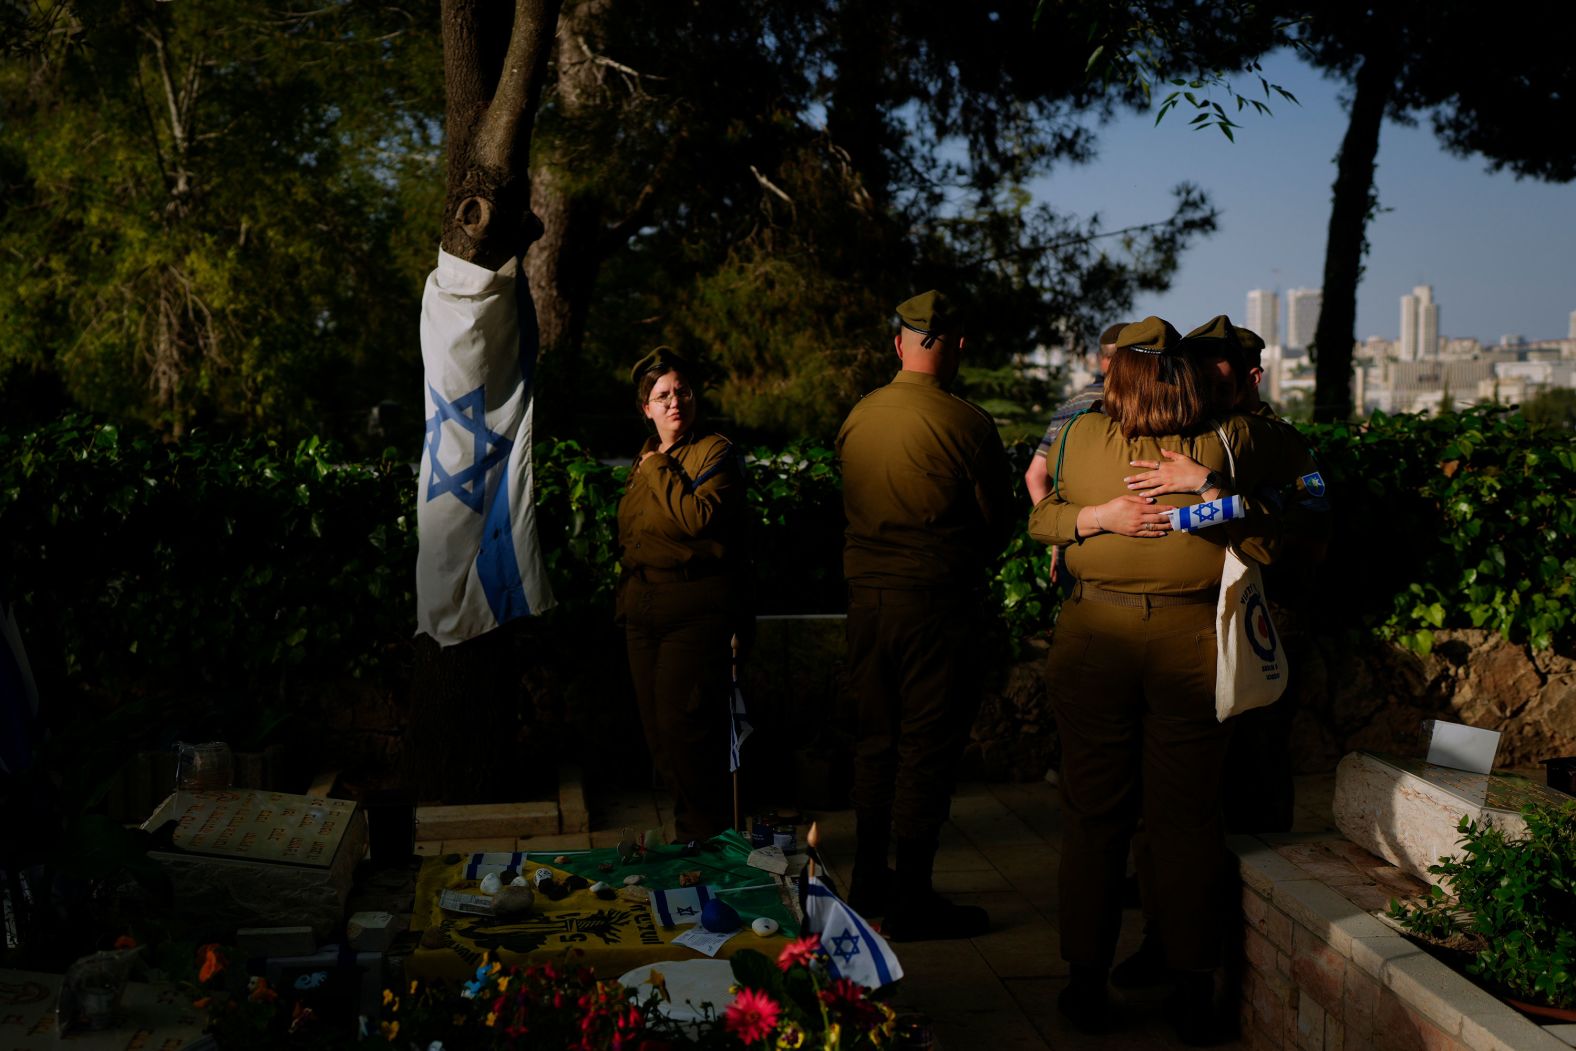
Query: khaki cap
931, 315
1152, 335
662, 359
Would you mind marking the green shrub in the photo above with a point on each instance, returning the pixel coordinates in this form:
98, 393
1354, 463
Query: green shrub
1514, 905
201, 587
1459, 520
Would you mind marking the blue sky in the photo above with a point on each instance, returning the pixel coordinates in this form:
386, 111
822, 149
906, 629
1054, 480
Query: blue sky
1499, 252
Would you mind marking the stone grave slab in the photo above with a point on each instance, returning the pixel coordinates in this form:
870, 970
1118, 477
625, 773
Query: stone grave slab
250, 858
1406, 810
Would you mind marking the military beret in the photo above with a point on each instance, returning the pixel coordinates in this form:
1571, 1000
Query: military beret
931, 315
1218, 334
662, 359
1218, 327
1248, 339
1151, 336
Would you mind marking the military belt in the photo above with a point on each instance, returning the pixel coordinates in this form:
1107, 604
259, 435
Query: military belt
1144, 600
700, 571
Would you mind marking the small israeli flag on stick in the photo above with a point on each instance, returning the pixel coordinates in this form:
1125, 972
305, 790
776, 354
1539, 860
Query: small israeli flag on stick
479, 564
1203, 515
853, 950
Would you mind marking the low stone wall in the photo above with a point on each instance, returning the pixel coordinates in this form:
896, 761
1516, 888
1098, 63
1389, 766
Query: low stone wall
1320, 972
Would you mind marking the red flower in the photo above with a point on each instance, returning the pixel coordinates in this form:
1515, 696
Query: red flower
752, 1016
841, 993
212, 962
848, 1002
799, 953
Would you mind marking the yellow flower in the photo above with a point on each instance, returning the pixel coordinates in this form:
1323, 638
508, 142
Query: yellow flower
413, 987
496, 967
833, 1038
390, 1030
388, 997
492, 1018
503, 983
791, 1037
659, 982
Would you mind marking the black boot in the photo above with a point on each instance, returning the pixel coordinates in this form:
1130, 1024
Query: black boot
1199, 1020
872, 887
919, 913
1146, 968
1085, 1002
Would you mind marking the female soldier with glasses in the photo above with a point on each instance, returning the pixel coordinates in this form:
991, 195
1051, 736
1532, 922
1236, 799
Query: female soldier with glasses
681, 594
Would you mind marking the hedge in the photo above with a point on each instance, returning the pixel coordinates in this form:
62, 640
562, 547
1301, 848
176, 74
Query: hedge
234, 569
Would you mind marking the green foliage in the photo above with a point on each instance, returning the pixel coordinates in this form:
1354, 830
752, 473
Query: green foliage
211, 586
211, 213
1514, 901
1457, 520
1554, 410
195, 588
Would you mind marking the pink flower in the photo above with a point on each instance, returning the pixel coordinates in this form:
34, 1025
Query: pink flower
752, 1016
799, 953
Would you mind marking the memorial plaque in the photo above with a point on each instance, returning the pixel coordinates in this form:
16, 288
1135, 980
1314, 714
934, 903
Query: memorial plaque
260, 826
250, 858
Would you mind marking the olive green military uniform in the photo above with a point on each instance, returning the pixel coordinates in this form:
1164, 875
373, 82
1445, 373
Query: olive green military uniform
1131, 674
926, 493
680, 601
1259, 793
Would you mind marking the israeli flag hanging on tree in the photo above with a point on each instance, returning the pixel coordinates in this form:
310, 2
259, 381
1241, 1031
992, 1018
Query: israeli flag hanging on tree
853, 950
479, 564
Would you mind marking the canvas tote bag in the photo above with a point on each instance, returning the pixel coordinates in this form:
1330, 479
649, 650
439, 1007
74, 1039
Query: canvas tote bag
1250, 664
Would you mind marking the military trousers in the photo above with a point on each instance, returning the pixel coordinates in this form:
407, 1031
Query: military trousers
1133, 691
678, 634
913, 671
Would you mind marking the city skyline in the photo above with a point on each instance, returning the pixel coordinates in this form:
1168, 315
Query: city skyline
1486, 242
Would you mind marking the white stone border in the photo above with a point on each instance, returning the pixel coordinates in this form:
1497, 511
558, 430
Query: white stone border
1420, 982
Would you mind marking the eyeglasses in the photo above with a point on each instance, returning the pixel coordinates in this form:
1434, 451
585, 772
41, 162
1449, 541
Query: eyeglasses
683, 394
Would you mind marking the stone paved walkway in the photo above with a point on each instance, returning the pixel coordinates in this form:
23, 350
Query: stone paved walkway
999, 851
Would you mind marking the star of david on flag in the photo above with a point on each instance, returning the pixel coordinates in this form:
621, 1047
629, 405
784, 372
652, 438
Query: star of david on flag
479, 564
854, 951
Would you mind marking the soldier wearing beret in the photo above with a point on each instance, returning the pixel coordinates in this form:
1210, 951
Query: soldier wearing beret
681, 591
926, 490
1131, 671
1258, 792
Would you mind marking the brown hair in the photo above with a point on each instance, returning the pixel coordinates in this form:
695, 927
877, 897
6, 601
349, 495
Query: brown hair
1150, 395
648, 380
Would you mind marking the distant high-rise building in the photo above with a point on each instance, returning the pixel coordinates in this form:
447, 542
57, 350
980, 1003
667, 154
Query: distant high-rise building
1264, 314
1302, 317
1419, 325
1573, 325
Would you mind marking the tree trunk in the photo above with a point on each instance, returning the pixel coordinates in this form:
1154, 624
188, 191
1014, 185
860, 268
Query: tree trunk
492, 99
1351, 207
463, 697
562, 266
